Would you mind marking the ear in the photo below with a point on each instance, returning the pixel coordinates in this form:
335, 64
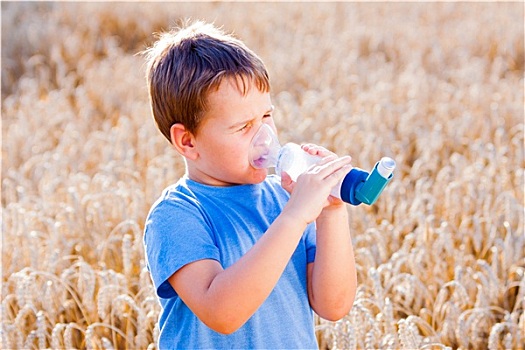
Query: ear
183, 141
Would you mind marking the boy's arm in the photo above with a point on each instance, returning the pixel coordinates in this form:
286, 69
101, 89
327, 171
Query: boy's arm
224, 299
332, 279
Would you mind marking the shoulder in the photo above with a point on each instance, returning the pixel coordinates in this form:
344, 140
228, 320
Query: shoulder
176, 202
174, 195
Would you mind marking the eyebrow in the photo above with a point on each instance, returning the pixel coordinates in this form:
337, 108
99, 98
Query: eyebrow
239, 124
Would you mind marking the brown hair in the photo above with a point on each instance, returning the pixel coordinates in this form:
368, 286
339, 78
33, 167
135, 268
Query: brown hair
185, 64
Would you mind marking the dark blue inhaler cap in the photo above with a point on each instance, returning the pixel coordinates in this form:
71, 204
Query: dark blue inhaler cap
350, 185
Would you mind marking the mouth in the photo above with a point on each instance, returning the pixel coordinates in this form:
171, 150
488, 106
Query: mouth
260, 162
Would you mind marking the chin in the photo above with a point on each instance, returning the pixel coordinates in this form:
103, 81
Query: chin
258, 176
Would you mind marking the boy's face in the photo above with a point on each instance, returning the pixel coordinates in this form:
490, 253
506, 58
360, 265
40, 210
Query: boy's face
223, 140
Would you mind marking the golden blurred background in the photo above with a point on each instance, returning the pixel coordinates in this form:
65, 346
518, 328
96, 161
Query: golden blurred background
437, 86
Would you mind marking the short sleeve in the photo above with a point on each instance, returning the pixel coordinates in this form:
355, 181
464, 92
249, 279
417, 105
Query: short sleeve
176, 233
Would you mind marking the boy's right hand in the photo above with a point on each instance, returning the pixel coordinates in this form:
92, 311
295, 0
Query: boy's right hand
310, 194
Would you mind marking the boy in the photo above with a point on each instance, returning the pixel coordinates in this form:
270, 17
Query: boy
239, 258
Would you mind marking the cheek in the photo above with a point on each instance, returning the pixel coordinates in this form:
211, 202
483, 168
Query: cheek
233, 153
240, 154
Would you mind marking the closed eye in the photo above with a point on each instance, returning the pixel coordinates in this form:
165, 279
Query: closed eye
245, 127
249, 124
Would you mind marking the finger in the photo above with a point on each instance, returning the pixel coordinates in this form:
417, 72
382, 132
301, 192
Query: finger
325, 160
316, 150
334, 166
341, 172
286, 182
337, 176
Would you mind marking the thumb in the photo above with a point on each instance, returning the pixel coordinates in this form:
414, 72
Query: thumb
287, 182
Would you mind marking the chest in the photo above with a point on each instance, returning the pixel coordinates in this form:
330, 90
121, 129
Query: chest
237, 227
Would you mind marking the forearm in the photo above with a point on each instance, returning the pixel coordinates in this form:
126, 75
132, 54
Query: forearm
333, 276
244, 286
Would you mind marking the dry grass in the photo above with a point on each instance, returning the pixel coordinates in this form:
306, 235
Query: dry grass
440, 257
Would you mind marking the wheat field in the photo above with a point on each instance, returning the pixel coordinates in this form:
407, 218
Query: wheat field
437, 86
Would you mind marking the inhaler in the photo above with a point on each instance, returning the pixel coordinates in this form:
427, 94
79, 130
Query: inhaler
358, 186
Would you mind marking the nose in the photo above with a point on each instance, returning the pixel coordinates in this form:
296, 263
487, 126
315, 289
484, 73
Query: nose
269, 121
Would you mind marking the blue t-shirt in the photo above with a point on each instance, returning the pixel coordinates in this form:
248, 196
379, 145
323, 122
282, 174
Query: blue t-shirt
192, 221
